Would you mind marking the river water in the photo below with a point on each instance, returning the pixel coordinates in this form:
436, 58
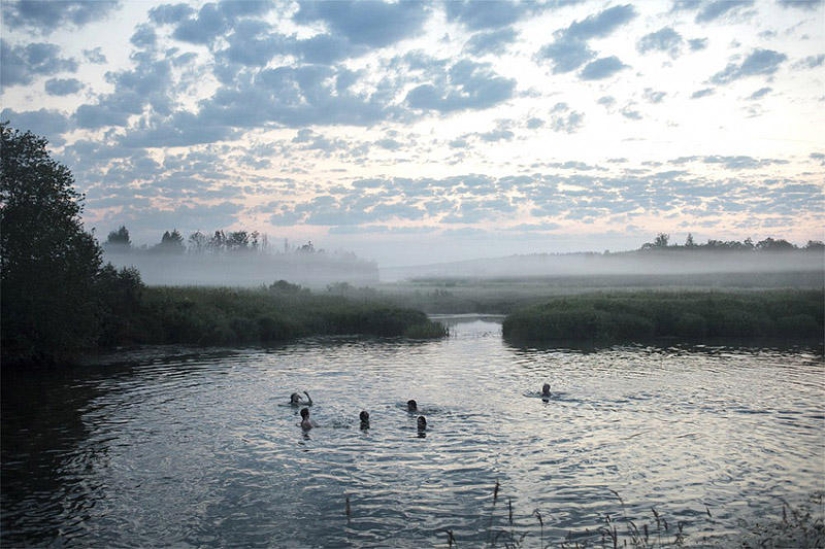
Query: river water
199, 448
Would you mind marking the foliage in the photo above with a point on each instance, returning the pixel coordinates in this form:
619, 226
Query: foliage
49, 263
691, 316
283, 311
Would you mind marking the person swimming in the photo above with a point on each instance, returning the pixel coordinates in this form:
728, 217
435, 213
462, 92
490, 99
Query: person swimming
545, 391
296, 400
412, 406
306, 423
422, 424
365, 419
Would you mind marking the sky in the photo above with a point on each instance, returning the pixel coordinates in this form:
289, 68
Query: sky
420, 132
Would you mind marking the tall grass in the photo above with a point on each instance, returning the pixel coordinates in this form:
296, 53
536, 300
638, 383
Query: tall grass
690, 316
226, 316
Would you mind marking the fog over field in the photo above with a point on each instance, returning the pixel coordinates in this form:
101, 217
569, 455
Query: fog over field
319, 270
628, 263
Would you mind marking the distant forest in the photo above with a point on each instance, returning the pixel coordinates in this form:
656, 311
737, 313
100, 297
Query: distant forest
662, 241
173, 242
234, 258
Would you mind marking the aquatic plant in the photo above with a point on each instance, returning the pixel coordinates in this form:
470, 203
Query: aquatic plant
226, 316
800, 527
690, 316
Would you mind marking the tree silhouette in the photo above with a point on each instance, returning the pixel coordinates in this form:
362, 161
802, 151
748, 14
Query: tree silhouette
49, 263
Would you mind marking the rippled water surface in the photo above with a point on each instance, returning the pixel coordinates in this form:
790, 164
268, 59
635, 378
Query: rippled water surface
200, 448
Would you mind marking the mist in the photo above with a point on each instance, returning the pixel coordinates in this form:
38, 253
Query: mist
245, 269
664, 263
319, 270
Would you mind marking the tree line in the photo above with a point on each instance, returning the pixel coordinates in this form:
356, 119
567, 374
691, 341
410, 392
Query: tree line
221, 241
662, 242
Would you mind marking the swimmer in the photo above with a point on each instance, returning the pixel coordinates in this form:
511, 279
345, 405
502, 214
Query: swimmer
296, 400
306, 423
422, 424
365, 419
412, 406
545, 391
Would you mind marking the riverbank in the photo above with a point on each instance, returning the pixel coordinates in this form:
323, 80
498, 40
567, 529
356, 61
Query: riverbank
281, 312
689, 316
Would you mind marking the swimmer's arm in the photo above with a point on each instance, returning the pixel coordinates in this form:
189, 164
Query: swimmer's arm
309, 399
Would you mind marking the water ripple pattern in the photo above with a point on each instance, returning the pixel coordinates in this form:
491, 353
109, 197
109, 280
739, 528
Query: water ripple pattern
184, 448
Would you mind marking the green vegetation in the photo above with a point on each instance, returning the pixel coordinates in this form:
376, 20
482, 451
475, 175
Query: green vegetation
224, 316
48, 263
59, 300
690, 316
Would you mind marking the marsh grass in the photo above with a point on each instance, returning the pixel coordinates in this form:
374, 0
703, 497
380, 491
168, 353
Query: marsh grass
227, 316
687, 316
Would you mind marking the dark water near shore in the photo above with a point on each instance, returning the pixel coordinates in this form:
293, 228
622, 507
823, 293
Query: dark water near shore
197, 448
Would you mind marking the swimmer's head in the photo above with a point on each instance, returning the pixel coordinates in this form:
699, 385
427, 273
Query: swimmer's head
294, 398
422, 423
365, 416
304, 413
545, 390
412, 405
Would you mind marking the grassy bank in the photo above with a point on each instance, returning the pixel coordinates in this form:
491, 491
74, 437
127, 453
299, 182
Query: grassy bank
225, 316
505, 295
687, 316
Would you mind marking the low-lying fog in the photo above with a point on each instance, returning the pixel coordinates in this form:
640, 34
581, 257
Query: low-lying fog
630, 263
318, 271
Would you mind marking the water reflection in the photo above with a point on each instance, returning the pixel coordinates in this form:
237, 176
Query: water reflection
182, 448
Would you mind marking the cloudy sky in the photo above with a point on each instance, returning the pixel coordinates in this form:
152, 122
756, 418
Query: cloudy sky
415, 132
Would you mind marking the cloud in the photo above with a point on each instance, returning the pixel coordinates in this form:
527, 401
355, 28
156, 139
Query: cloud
801, 4
705, 92
760, 93
19, 65
372, 24
810, 62
48, 123
466, 85
759, 62
698, 44
600, 25
602, 68
567, 56
50, 16
95, 56
63, 86
494, 42
665, 40
486, 15
563, 119
714, 10
570, 50
654, 96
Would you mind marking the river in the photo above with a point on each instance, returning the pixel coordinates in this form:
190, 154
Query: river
200, 448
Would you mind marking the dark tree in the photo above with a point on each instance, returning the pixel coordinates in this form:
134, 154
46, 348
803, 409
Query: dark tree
171, 243
49, 263
118, 241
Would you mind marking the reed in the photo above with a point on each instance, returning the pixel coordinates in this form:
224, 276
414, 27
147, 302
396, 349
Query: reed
227, 316
687, 316
800, 527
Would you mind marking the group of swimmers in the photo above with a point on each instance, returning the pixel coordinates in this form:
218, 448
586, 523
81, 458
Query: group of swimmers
306, 423
412, 406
